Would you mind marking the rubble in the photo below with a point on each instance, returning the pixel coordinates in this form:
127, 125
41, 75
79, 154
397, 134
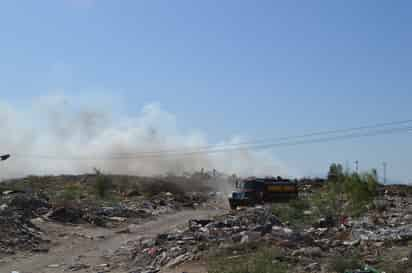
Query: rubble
22, 211
180, 246
27, 204
18, 233
392, 224
306, 249
77, 267
111, 216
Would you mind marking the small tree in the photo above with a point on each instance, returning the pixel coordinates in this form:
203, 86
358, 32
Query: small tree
346, 193
335, 173
103, 184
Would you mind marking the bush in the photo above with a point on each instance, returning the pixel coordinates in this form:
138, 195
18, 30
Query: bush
103, 185
360, 191
346, 193
71, 193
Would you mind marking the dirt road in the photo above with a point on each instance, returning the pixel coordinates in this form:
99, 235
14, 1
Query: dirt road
89, 245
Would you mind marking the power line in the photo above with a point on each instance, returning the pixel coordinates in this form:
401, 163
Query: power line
270, 140
253, 142
232, 149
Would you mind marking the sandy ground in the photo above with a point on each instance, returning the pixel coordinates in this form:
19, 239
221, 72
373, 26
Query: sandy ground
82, 244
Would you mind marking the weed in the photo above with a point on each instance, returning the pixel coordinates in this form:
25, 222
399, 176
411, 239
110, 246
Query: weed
264, 260
103, 184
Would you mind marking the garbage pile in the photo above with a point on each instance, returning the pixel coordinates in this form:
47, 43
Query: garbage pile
130, 211
393, 223
99, 216
307, 250
179, 246
166, 202
18, 208
18, 233
29, 205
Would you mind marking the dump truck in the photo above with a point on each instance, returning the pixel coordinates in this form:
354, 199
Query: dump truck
255, 191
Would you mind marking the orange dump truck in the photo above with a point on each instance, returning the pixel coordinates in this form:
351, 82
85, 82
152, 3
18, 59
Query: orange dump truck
256, 191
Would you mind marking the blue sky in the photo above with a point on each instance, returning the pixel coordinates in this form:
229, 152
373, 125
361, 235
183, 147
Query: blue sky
251, 68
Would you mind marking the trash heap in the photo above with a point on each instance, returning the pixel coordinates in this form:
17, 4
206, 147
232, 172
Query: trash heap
307, 250
179, 246
18, 208
99, 216
129, 210
18, 233
393, 223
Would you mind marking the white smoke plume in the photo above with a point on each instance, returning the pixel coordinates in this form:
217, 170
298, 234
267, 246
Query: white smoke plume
80, 136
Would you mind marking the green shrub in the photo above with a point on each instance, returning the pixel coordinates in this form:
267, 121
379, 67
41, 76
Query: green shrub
103, 185
345, 193
70, 192
262, 261
360, 191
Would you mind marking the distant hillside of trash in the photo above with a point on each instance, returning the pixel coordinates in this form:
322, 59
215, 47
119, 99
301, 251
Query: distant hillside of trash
94, 199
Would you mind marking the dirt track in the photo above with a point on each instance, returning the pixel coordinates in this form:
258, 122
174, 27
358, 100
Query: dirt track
88, 245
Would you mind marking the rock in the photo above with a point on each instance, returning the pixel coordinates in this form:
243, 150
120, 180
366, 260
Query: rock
41, 249
245, 239
133, 193
148, 243
77, 267
8, 192
313, 267
309, 252
67, 215
178, 260
237, 238
351, 243
117, 219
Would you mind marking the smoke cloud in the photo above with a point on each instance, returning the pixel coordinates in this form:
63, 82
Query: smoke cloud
64, 135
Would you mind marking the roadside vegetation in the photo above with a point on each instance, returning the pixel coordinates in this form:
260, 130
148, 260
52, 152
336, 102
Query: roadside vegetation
103, 185
257, 260
343, 194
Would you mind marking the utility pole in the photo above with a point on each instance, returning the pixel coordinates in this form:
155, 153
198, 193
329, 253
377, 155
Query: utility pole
347, 170
384, 172
357, 166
